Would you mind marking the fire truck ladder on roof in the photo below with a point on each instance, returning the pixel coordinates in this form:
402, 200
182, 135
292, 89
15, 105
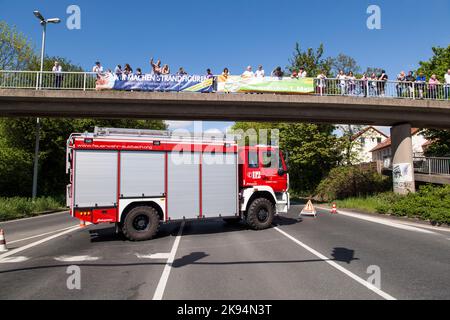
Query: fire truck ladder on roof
163, 134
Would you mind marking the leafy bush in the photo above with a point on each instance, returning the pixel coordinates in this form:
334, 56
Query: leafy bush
351, 181
429, 203
17, 207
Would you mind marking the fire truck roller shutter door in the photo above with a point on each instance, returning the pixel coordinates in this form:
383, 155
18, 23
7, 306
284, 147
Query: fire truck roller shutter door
142, 174
183, 194
219, 177
96, 178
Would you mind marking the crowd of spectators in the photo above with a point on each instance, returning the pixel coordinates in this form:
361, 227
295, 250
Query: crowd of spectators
406, 85
345, 83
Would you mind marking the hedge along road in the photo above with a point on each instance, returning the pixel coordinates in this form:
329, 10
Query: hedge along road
213, 260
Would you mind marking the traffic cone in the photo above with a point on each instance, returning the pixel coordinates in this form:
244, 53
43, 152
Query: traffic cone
3, 247
82, 224
334, 209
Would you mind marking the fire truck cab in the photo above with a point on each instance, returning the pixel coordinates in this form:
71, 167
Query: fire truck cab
139, 179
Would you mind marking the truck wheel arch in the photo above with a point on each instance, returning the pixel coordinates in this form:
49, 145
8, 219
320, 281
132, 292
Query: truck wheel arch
135, 204
260, 194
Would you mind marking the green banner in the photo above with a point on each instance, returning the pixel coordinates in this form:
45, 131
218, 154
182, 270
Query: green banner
266, 84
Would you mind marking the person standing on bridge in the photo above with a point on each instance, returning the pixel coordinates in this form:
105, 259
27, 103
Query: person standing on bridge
382, 83
248, 73
401, 78
57, 69
433, 87
98, 69
260, 72
410, 83
118, 72
342, 79
364, 81
421, 81
447, 85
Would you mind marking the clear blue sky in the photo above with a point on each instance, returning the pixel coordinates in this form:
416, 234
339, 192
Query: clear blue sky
215, 34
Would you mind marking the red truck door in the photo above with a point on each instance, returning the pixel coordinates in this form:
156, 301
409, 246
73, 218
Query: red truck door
271, 162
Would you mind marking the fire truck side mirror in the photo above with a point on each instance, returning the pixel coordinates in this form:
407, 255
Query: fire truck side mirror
281, 172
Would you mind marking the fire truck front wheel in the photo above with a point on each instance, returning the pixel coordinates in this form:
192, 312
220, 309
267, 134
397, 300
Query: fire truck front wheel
260, 214
141, 223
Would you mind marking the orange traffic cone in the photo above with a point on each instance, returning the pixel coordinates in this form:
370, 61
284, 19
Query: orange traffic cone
82, 224
334, 209
3, 247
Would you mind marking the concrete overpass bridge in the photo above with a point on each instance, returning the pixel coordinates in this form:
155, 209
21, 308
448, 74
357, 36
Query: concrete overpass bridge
400, 114
225, 107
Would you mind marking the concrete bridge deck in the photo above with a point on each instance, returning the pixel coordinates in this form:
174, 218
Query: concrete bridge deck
224, 107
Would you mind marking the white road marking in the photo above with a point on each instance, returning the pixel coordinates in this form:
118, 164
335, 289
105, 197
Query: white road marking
338, 267
159, 292
37, 217
425, 226
31, 245
164, 256
76, 258
381, 221
14, 259
39, 235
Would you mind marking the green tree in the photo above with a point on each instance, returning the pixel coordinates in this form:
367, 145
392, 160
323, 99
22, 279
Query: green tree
345, 63
440, 146
312, 60
438, 64
18, 141
16, 52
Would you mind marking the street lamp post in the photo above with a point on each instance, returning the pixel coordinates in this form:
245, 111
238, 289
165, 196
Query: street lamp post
44, 23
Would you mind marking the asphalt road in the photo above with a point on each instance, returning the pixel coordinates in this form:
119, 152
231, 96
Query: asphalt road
327, 257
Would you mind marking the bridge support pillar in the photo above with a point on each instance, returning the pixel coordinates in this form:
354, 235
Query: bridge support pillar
402, 159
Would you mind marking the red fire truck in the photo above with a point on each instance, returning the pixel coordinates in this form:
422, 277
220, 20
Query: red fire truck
141, 178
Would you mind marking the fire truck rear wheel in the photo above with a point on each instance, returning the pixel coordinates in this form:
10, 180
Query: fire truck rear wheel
260, 214
141, 223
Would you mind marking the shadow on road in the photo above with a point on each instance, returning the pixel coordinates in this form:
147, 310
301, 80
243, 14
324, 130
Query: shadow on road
203, 227
193, 259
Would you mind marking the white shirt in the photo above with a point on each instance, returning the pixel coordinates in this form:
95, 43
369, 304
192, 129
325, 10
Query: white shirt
302, 75
97, 69
248, 74
342, 78
447, 78
57, 69
259, 73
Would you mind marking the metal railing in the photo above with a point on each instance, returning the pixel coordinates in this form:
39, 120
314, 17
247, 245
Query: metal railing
47, 80
432, 165
382, 89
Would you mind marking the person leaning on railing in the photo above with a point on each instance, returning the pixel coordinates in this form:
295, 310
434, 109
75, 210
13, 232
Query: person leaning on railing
420, 84
447, 85
342, 79
321, 83
400, 86
410, 83
432, 87
383, 78
364, 81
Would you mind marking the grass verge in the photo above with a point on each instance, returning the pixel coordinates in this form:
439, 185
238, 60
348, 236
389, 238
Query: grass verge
429, 203
18, 207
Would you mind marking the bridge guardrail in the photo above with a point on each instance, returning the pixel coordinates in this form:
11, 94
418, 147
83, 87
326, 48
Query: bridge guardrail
432, 165
48, 80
